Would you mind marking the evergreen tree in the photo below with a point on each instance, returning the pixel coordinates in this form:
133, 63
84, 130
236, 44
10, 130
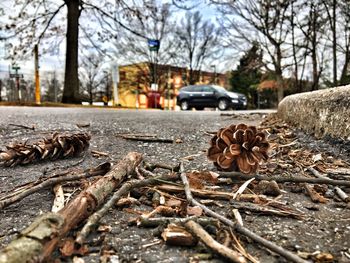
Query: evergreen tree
248, 74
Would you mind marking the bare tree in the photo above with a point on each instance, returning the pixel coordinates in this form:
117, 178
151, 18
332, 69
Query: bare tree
199, 41
90, 73
343, 43
35, 20
262, 21
155, 24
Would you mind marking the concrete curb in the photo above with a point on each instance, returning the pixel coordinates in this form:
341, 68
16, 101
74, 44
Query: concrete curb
322, 112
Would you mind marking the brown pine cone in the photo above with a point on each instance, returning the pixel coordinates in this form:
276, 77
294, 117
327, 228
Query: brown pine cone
59, 146
238, 148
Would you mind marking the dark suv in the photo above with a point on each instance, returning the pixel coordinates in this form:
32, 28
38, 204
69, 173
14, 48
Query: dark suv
201, 96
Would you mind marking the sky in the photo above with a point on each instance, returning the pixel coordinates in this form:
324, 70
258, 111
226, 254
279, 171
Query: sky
56, 62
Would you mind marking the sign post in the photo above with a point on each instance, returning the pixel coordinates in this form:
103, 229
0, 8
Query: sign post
115, 80
154, 45
17, 77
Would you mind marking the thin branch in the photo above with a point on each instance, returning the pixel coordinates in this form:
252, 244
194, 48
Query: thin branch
240, 229
295, 179
96, 217
210, 242
99, 170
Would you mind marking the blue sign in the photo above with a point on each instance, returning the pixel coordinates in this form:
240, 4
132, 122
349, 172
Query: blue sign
153, 44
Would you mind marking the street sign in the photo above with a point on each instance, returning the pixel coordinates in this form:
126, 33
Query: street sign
16, 76
153, 44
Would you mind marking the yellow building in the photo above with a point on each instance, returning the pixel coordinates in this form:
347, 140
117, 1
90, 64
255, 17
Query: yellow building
134, 87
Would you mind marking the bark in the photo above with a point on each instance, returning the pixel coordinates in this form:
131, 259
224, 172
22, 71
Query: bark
71, 81
37, 242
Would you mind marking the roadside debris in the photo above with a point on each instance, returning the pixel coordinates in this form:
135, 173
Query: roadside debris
182, 205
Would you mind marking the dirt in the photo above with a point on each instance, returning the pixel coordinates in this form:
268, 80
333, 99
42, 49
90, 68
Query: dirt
325, 227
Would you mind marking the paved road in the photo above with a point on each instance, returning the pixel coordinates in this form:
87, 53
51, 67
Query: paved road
105, 124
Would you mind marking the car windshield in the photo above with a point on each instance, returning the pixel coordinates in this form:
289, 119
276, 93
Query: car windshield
218, 88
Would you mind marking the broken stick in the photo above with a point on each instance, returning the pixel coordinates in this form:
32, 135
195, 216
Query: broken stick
147, 139
95, 218
240, 229
99, 170
210, 242
279, 179
37, 242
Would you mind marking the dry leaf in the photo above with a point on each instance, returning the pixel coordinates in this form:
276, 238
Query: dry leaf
173, 203
194, 211
197, 179
129, 201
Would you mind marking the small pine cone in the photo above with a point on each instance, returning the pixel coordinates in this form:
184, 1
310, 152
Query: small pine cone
59, 146
238, 148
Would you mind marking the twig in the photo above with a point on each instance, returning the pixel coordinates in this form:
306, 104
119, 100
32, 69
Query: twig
240, 229
144, 221
147, 139
211, 194
95, 218
343, 196
264, 210
38, 241
22, 126
238, 246
99, 170
99, 153
153, 166
295, 179
224, 251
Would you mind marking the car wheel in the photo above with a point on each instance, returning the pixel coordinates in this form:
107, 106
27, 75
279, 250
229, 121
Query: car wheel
184, 105
223, 104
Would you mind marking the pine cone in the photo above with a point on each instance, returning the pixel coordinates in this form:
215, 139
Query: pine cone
59, 146
238, 148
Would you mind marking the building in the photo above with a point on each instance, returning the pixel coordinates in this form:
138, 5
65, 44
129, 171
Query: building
135, 89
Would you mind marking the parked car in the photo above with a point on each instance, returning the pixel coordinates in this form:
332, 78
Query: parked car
202, 96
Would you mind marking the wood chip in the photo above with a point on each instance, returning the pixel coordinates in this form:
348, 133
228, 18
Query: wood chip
178, 236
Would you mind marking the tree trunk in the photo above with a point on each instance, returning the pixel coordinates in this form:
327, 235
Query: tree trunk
343, 77
71, 81
278, 67
297, 84
334, 46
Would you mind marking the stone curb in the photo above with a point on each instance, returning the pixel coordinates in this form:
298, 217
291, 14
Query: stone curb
322, 112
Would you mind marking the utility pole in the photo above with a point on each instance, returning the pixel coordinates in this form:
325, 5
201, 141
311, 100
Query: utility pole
37, 79
0, 89
17, 76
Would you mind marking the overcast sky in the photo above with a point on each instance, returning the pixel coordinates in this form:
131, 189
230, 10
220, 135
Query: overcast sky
55, 62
